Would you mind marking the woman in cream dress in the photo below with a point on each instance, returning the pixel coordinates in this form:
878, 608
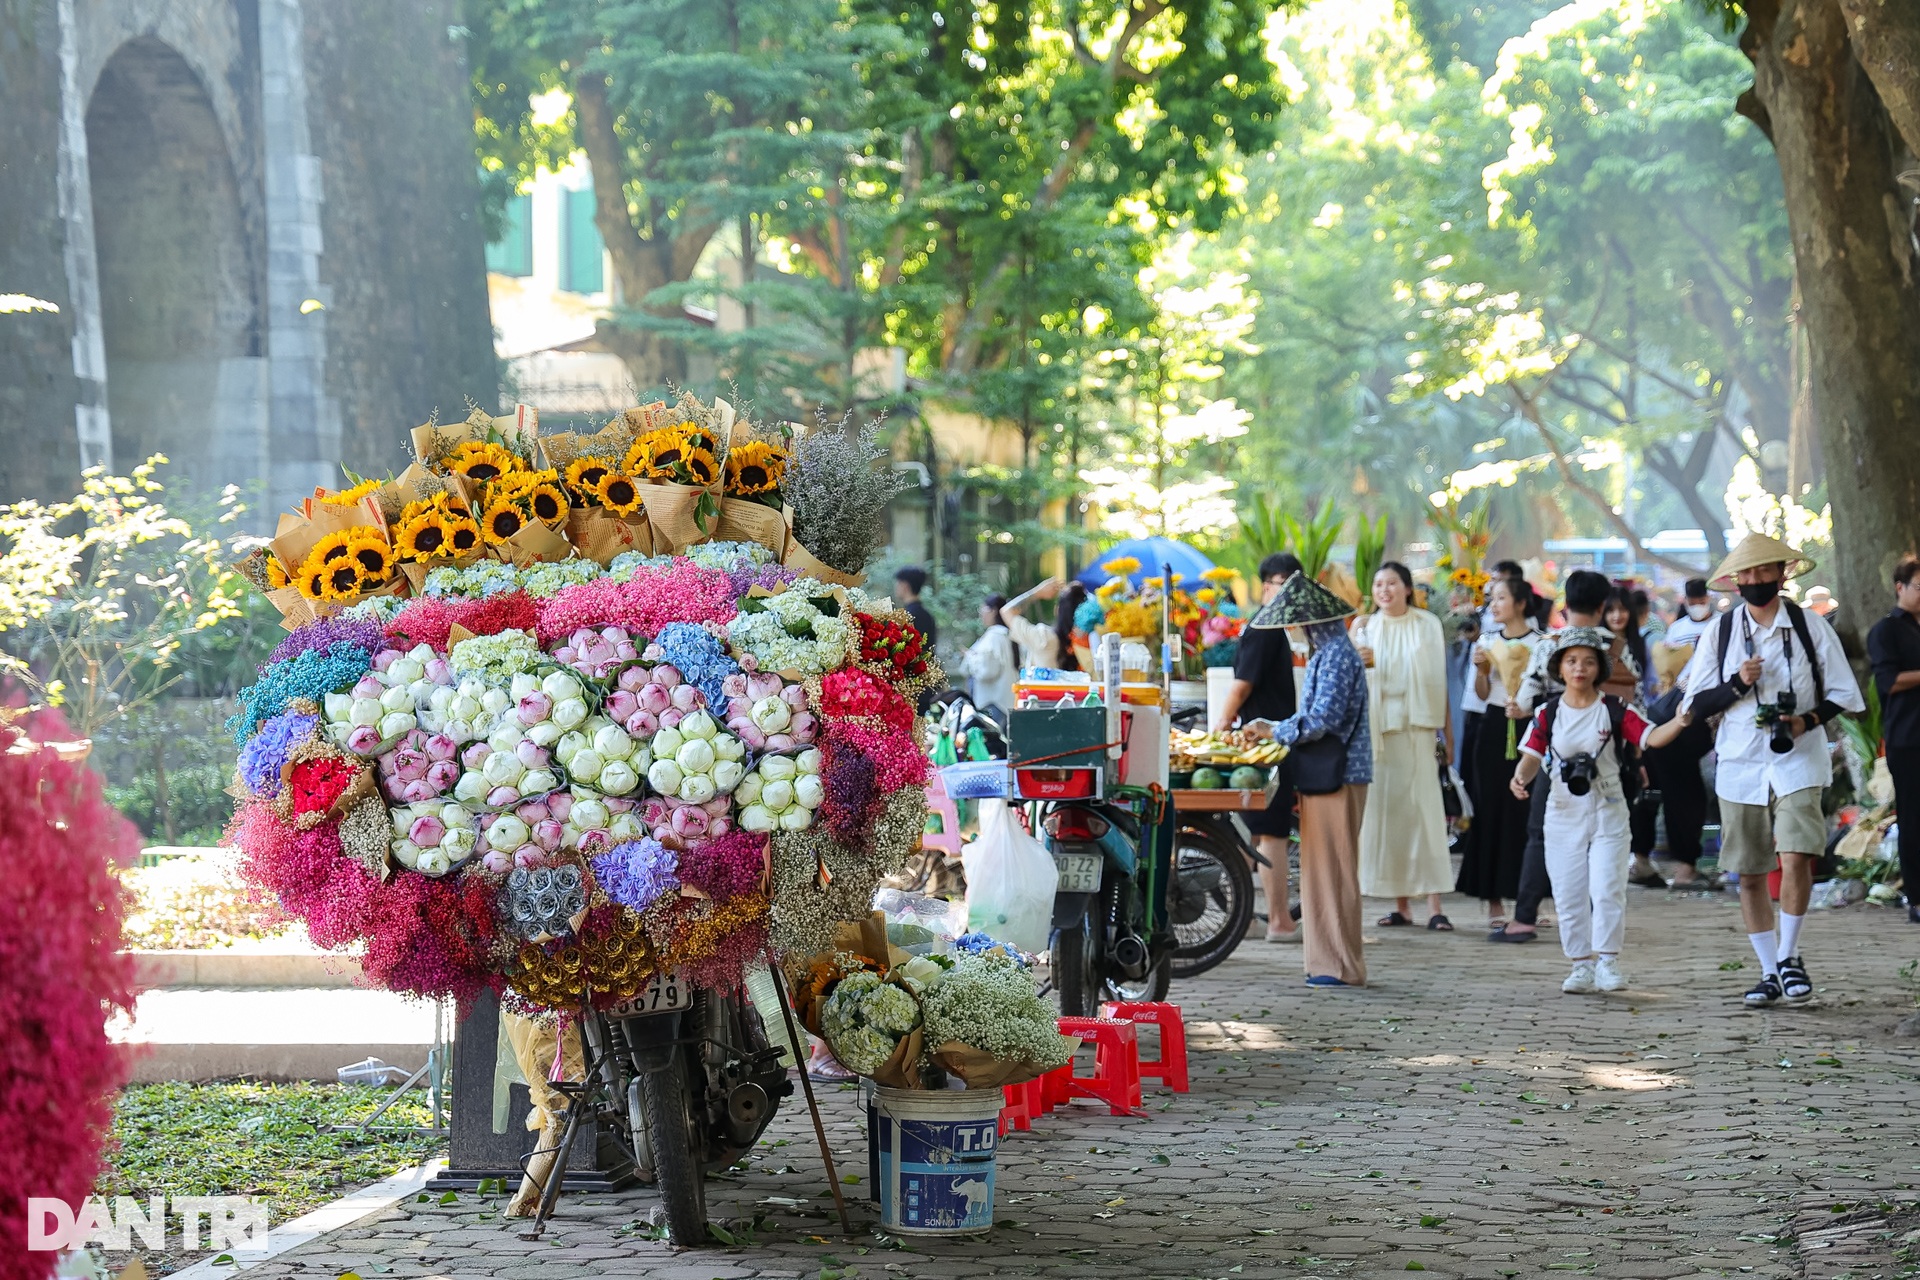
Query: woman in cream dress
1403, 837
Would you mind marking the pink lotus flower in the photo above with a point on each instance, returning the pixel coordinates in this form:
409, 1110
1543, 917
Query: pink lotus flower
369, 687
475, 755
738, 707
805, 727
497, 862
690, 822
734, 686
720, 826
626, 651
780, 742
426, 831
363, 739
656, 698
795, 696
386, 658
532, 754
717, 807
534, 708
439, 671
531, 857
656, 812
442, 774
440, 747
748, 732
666, 675
598, 835
642, 724
763, 684
686, 697
548, 834
620, 804
559, 805
671, 718
633, 679
410, 765
621, 704
417, 793
501, 797
566, 653
582, 637
535, 811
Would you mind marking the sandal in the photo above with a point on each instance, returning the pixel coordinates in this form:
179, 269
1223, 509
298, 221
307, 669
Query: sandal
1394, 920
1439, 924
1503, 934
1497, 924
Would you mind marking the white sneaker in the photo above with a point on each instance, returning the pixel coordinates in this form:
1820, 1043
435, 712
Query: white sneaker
1580, 981
1609, 976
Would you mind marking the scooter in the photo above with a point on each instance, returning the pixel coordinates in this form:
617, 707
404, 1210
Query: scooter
1113, 936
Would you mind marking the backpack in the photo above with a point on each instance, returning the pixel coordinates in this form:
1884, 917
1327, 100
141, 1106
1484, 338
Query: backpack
1625, 756
1798, 618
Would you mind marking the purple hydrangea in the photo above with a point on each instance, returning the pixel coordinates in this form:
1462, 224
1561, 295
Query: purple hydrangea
266, 752
638, 873
324, 633
745, 575
699, 657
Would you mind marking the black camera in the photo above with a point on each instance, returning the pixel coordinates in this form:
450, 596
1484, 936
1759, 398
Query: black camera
1776, 717
1578, 772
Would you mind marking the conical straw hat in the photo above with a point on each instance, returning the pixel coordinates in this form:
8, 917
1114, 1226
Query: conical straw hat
1753, 551
1300, 602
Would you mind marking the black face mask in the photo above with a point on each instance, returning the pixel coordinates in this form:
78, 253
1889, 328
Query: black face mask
1759, 594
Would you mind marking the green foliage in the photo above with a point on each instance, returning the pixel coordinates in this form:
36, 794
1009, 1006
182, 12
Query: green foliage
195, 902
1312, 539
1369, 548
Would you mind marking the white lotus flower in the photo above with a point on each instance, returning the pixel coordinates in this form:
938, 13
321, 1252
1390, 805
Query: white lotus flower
506, 736
589, 815
570, 713
809, 760
471, 788
399, 722
665, 776
405, 671
465, 706
503, 769
406, 852
796, 819
507, 832
496, 701
562, 686
777, 795
523, 683
339, 707
772, 715
808, 791
618, 778
728, 747
778, 768
666, 742
697, 788
612, 742
699, 725
695, 756
757, 817
586, 765
748, 792
458, 842
535, 782
365, 711
545, 734
727, 775
627, 826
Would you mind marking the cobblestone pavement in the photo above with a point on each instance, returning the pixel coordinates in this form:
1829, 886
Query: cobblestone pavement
1461, 1117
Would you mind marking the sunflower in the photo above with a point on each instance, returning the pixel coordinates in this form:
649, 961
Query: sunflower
1219, 573
331, 547
754, 468
548, 502
347, 497
700, 467
657, 453
585, 474
618, 494
478, 460
463, 532
700, 438
374, 559
503, 520
276, 573
422, 534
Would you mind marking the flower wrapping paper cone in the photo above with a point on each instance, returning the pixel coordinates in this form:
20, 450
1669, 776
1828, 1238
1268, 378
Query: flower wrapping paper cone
1669, 660
671, 512
981, 1070
901, 1070
600, 535
520, 429
397, 586
1511, 660
745, 520
809, 565
534, 544
296, 610
295, 536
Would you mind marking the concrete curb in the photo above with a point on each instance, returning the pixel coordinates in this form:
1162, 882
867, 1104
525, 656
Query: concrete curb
155, 1063
246, 969
308, 1227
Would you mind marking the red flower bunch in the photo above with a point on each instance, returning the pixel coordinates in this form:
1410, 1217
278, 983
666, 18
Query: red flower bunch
429, 619
724, 868
432, 937
896, 646
852, 694
646, 602
898, 760
315, 784
61, 974
307, 871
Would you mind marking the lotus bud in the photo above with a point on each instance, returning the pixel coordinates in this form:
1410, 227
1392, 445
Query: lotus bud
506, 832
476, 754
465, 706
532, 754
460, 731
777, 795
471, 789
559, 805
495, 702
750, 736
502, 769
735, 685
535, 707
594, 837
642, 724
530, 857
757, 817
618, 805
685, 697
417, 792
363, 739
570, 713
809, 761
763, 685
727, 747
665, 776
548, 834
497, 862
439, 671
589, 814
772, 715
533, 811
405, 671
612, 742
365, 711
805, 727
747, 791
667, 741
695, 756
392, 726
699, 724
566, 653
689, 822
442, 774
626, 826
671, 718
503, 797
808, 791
727, 775
778, 768
697, 788
339, 706
656, 698
796, 819
569, 745
562, 685
633, 679
655, 811
522, 684
621, 704
458, 842
538, 781
780, 742
666, 675
545, 734
586, 765
410, 764
795, 696
369, 687
441, 699
385, 658
626, 651
749, 663
426, 831
406, 852
618, 778
439, 746
506, 737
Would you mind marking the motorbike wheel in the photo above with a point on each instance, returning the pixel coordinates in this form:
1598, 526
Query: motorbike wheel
1209, 923
1076, 966
1153, 987
677, 1172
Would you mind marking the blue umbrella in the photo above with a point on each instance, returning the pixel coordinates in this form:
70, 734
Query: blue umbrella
1152, 553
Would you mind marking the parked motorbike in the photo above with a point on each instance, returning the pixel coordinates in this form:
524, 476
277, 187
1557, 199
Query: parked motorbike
685, 1080
1113, 937
1212, 892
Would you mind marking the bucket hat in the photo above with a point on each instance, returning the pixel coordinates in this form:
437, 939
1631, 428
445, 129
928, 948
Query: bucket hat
1582, 638
1753, 551
1300, 602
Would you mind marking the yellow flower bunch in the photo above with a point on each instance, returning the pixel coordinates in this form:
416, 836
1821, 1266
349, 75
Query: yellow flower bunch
348, 497
436, 528
276, 573
346, 564
618, 494
1220, 574
484, 461
1121, 566
583, 479
680, 455
755, 468
1131, 618
537, 493
1110, 590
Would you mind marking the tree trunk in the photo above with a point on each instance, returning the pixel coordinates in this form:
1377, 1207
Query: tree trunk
1886, 40
1834, 141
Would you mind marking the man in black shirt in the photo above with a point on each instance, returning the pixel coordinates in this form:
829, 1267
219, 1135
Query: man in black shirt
908, 583
1263, 689
1893, 647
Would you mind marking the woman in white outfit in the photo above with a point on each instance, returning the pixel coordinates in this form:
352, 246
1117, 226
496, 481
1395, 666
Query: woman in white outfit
1042, 645
990, 664
1403, 838
1585, 735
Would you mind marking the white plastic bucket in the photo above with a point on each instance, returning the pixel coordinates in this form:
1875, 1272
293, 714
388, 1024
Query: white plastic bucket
936, 1152
1219, 685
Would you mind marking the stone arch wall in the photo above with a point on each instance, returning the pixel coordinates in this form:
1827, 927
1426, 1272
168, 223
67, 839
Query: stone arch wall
178, 267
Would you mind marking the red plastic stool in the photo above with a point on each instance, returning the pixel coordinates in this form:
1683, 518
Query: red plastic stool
1116, 1070
1022, 1106
1056, 1088
1171, 1066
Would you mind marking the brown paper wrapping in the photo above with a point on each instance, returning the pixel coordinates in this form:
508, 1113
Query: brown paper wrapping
396, 586
295, 536
744, 520
520, 429
799, 558
901, 1070
1511, 662
600, 534
533, 544
671, 513
980, 1069
1669, 661
295, 609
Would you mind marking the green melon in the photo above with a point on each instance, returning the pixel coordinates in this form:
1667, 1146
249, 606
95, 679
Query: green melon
1247, 778
1208, 780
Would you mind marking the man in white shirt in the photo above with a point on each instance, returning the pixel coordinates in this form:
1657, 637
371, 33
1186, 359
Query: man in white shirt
1773, 673
1696, 615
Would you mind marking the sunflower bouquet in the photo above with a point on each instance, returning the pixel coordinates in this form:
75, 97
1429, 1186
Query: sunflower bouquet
677, 468
750, 501
347, 565
523, 517
436, 532
483, 448
607, 517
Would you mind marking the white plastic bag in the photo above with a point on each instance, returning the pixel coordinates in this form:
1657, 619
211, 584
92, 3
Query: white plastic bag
1010, 881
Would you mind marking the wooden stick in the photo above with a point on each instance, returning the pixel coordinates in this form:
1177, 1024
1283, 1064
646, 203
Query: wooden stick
806, 1083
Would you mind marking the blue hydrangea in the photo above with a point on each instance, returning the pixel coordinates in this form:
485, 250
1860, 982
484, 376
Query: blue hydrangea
702, 660
638, 873
311, 675
266, 752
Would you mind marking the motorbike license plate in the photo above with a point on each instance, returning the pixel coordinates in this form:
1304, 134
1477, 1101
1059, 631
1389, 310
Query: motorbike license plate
1079, 872
665, 993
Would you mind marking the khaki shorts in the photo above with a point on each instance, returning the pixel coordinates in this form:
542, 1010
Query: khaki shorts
1750, 834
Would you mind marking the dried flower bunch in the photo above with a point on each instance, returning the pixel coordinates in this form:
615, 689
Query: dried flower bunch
837, 493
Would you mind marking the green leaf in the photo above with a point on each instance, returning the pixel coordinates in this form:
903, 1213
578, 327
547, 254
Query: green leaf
1430, 1220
